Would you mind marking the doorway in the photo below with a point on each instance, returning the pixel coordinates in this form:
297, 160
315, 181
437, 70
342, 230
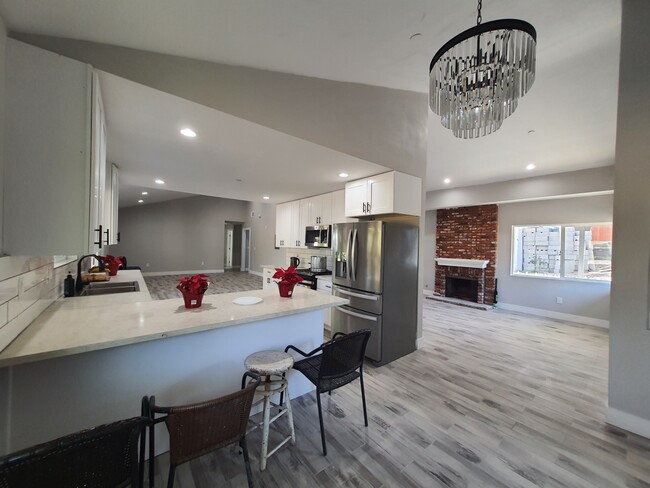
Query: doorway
232, 246
246, 249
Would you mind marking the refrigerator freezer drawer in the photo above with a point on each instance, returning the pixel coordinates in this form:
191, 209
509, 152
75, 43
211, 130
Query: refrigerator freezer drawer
361, 300
346, 320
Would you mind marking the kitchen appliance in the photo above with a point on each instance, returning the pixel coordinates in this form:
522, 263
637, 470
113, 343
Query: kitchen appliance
319, 263
376, 269
309, 277
295, 262
318, 236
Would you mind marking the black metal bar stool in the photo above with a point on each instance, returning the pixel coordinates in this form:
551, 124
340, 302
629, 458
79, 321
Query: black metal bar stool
272, 366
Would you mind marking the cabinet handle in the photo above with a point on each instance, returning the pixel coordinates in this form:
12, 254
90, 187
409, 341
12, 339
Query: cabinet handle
368, 207
107, 232
118, 237
99, 236
364, 207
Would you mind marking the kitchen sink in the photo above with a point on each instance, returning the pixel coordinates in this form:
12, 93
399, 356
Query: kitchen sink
107, 288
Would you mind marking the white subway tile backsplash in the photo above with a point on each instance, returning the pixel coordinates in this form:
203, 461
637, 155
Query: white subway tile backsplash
28, 285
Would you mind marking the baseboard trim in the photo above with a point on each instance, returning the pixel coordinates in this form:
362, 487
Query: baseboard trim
581, 319
627, 421
419, 343
256, 273
189, 272
427, 293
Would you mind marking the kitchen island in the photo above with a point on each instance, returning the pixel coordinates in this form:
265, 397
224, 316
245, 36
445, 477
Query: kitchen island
89, 360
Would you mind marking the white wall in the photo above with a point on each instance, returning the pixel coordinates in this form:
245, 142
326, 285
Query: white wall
429, 251
587, 302
629, 371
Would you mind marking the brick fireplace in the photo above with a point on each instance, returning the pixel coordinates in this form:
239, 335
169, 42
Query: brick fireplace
466, 250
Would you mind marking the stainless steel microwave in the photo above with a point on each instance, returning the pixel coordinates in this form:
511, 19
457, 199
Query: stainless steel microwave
318, 236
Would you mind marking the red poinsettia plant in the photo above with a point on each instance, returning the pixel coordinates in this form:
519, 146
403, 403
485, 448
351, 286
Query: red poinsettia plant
288, 276
195, 285
112, 263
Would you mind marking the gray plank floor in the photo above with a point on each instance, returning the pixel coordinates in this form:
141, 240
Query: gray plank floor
492, 399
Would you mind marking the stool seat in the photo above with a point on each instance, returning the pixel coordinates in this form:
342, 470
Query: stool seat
272, 366
266, 363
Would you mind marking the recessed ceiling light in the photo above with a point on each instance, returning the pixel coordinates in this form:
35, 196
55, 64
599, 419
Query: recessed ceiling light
159, 181
266, 197
446, 181
145, 193
343, 175
530, 166
188, 132
140, 201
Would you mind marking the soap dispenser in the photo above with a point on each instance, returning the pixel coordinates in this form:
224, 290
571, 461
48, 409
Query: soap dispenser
68, 286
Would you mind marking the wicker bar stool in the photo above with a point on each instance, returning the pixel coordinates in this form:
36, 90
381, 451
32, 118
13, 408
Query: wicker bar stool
272, 366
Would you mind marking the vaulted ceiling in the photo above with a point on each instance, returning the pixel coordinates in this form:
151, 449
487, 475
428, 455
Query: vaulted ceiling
567, 121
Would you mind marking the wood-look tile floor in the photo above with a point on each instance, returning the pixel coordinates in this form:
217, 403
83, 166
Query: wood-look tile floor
492, 399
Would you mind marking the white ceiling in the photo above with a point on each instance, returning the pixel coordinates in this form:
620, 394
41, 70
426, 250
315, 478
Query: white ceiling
571, 108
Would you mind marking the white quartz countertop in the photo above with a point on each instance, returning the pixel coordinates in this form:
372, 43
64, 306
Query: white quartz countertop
82, 324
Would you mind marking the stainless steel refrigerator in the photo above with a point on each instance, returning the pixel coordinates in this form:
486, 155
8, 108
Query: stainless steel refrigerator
376, 269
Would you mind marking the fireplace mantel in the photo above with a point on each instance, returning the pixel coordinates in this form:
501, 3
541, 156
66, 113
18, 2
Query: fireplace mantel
463, 263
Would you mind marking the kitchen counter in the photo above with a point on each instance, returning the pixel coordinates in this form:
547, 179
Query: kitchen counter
91, 359
82, 324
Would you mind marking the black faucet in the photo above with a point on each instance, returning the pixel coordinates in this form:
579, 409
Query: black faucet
79, 284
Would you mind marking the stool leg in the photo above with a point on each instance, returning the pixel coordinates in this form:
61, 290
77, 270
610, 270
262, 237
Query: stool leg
265, 430
290, 416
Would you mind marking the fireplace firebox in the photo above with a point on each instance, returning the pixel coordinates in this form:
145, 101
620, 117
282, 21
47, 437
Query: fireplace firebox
462, 288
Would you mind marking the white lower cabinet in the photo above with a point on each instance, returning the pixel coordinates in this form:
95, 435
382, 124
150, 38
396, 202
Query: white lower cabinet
324, 285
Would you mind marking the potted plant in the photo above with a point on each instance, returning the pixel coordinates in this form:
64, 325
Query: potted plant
111, 263
193, 288
287, 280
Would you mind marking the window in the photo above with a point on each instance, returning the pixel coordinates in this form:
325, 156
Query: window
563, 251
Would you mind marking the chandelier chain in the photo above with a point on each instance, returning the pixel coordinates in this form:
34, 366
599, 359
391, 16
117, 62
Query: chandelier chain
479, 18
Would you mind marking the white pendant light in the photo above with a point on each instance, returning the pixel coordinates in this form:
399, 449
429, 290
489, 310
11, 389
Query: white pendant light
477, 78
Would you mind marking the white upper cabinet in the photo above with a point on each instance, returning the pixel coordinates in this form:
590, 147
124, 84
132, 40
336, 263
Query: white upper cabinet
387, 193
55, 149
317, 210
287, 225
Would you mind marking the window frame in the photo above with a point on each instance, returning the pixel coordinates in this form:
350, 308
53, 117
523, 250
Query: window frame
562, 254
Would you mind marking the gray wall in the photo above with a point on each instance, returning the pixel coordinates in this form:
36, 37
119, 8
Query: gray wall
3, 43
177, 235
629, 378
580, 298
429, 251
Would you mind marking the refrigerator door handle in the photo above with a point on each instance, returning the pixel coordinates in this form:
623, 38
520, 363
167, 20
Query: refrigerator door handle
348, 257
374, 298
354, 255
355, 314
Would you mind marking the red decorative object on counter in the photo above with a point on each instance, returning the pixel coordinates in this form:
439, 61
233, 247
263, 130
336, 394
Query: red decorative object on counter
288, 279
112, 264
193, 288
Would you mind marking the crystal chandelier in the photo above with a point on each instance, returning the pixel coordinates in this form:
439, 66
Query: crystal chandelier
476, 78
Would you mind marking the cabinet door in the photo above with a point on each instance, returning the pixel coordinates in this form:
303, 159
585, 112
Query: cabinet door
114, 204
46, 152
297, 227
322, 209
381, 194
283, 225
305, 220
356, 196
98, 237
338, 207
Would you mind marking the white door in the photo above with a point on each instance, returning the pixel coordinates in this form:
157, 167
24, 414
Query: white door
229, 249
246, 249
356, 198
